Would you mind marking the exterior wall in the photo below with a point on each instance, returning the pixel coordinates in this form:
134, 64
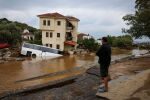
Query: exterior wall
28, 37
74, 34
87, 37
75, 30
99, 42
51, 27
68, 47
54, 28
80, 37
84, 37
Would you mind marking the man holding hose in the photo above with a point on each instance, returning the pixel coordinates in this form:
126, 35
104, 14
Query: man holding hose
104, 54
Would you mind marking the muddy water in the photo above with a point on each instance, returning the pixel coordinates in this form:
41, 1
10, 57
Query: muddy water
15, 71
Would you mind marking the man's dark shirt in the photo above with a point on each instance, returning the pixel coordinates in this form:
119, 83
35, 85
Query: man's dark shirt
104, 54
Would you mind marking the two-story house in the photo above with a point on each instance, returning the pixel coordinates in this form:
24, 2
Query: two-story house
59, 31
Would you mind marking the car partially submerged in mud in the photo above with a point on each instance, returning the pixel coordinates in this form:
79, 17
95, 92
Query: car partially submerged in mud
39, 51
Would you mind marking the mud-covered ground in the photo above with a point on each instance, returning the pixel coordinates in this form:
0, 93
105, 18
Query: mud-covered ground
134, 87
130, 67
85, 86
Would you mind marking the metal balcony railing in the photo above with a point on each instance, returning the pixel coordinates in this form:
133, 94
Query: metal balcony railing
69, 28
69, 38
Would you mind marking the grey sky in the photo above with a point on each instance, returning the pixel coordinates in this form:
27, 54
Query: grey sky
98, 17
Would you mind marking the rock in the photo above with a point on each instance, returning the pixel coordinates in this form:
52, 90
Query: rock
92, 54
1, 62
84, 52
81, 51
20, 59
113, 62
7, 49
13, 59
7, 54
8, 59
70, 52
1, 54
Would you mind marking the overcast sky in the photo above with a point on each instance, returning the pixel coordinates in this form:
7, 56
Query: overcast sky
97, 17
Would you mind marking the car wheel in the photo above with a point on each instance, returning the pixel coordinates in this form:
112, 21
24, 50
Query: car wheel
34, 55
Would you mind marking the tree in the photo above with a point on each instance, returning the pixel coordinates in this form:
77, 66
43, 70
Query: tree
38, 38
89, 44
10, 33
139, 22
110, 39
38, 35
124, 41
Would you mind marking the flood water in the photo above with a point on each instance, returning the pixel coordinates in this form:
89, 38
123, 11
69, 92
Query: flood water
11, 72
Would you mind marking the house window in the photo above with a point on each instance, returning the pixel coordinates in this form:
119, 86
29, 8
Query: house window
48, 23
47, 45
51, 45
58, 34
58, 23
46, 34
51, 34
58, 46
44, 22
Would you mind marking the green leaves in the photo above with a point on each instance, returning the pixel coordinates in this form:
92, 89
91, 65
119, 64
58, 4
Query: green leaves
142, 4
89, 44
38, 38
10, 33
139, 22
38, 35
120, 41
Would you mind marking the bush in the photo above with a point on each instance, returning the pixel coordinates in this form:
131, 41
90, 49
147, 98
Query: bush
10, 33
35, 42
38, 35
120, 41
89, 44
38, 38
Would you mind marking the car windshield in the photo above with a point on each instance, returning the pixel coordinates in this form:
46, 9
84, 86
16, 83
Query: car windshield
37, 47
28, 46
43, 49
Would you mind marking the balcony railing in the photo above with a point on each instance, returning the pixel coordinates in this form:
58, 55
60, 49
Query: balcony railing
69, 38
69, 28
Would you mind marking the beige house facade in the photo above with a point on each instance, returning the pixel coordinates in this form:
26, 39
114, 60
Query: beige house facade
59, 31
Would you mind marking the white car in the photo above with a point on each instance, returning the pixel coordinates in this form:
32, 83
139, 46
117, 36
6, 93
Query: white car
38, 50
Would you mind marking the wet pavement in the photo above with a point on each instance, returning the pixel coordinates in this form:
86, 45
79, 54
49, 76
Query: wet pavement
15, 71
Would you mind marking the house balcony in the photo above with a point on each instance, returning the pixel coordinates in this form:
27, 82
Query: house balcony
69, 38
70, 43
69, 28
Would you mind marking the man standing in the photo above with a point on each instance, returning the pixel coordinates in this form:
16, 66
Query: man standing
104, 54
